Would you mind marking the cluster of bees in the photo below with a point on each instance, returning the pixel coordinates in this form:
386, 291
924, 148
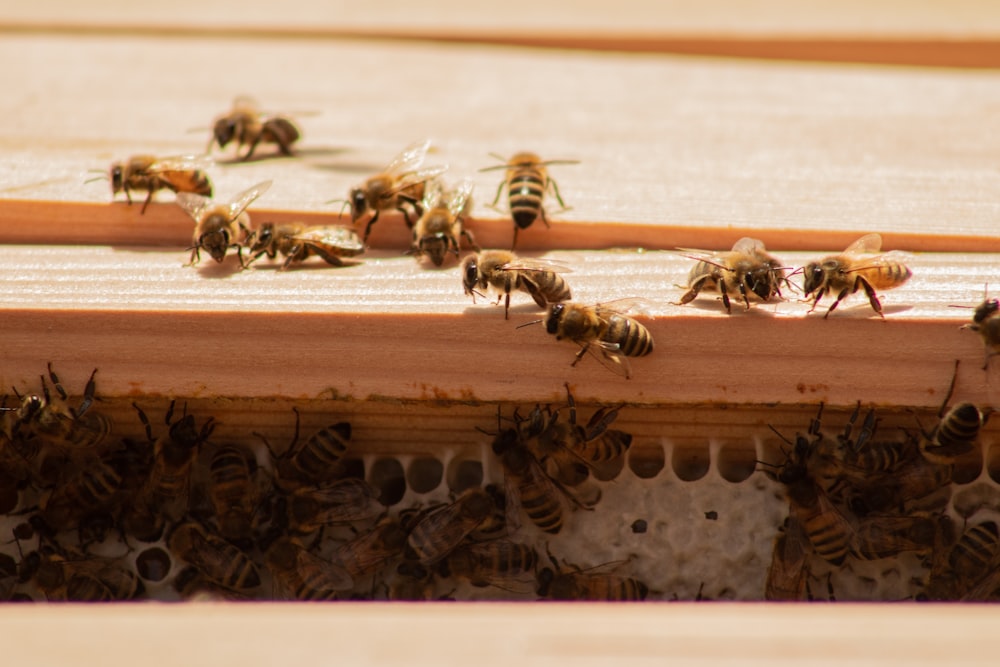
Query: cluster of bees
304, 526
862, 498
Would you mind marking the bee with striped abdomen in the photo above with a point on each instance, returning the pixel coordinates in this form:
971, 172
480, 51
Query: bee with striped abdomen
438, 230
298, 242
219, 227
527, 181
858, 267
246, 125
150, 174
746, 270
216, 559
55, 422
506, 273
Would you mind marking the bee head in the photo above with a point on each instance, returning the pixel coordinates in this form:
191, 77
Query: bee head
359, 203
117, 178
761, 282
812, 277
555, 315
470, 274
216, 242
224, 130
985, 310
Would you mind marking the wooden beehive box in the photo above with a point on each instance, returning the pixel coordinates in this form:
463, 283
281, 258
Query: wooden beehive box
745, 139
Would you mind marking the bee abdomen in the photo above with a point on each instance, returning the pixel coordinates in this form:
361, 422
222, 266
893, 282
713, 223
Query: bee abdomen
526, 190
324, 449
633, 339
553, 288
828, 540
960, 426
544, 512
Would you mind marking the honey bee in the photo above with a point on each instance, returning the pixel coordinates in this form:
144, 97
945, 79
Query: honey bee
57, 423
339, 502
748, 269
788, 573
166, 489
848, 272
232, 492
441, 224
399, 186
304, 575
527, 181
298, 241
81, 492
218, 227
602, 330
986, 322
594, 443
371, 549
438, 532
216, 559
556, 583
888, 536
315, 459
969, 569
247, 126
956, 431
61, 576
499, 563
150, 174
506, 273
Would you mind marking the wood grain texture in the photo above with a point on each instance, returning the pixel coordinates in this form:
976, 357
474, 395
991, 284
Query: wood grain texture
389, 326
496, 634
673, 151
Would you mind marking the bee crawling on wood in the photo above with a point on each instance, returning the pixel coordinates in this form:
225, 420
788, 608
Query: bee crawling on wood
219, 227
437, 232
527, 181
150, 174
298, 242
246, 125
506, 273
986, 322
858, 267
746, 270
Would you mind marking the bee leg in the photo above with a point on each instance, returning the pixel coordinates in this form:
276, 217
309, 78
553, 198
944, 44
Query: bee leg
725, 296
872, 297
555, 191
128, 195
330, 258
499, 191
513, 244
149, 198
410, 222
253, 147
55, 383
579, 355
840, 297
368, 227
470, 239
88, 395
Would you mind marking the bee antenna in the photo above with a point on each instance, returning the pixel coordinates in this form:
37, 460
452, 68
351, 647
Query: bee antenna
102, 177
528, 324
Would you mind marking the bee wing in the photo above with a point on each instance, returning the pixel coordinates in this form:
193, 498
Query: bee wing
334, 575
181, 163
240, 202
193, 204
893, 257
524, 264
246, 104
869, 243
345, 500
460, 195
512, 504
610, 356
749, 246
338, 236
410, 159
635, 305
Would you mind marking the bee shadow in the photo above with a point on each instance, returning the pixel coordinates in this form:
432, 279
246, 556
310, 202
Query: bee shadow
276, 265
860, 311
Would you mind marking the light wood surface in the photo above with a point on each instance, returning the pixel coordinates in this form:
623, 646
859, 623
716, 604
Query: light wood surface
497, 634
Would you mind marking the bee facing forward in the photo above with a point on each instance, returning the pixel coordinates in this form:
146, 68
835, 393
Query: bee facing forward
298, 241
846, 273
53, 421
527, 180
147, 173
986, 322
247, 126
602, 330
747, 269
400, 185
218, 227
438, 229
506, 273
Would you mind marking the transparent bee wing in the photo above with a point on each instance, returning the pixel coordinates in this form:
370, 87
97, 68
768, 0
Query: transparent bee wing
459, 196
889, 258
193, 204
423, 175
181, 163
334, 575
512, 506
610, 356
246, 104
241, 201
869, 243
338, 236
410, 159
749, 246
434, 194
524, 264
635, 305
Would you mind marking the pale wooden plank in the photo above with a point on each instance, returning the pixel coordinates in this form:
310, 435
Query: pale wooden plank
390, 327
496, 634
811, 155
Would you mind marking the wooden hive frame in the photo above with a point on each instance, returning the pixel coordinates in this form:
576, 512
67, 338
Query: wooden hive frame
674, 152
